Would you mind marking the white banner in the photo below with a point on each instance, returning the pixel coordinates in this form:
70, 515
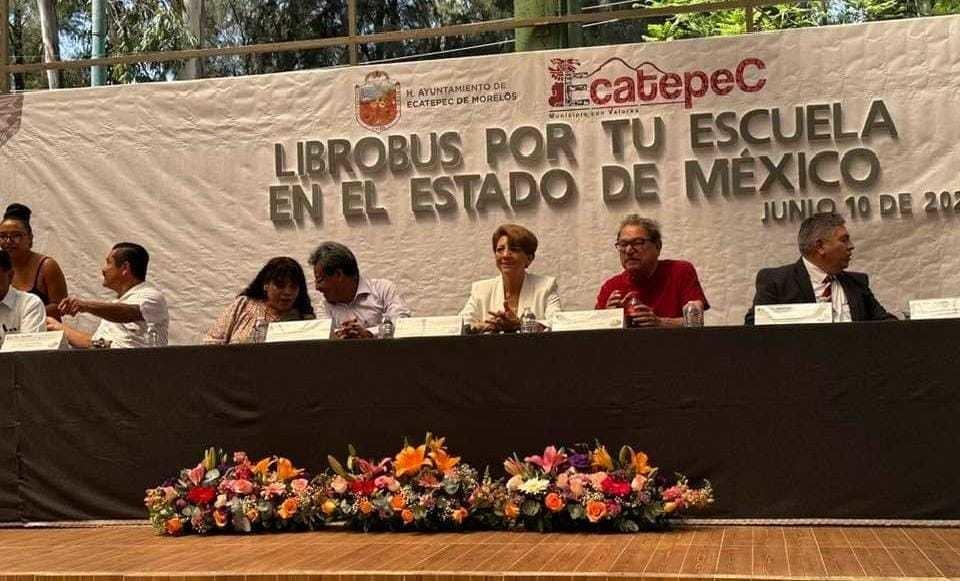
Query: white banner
728, 142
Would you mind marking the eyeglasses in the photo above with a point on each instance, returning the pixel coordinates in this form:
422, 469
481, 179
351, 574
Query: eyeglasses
636, 244
15, 237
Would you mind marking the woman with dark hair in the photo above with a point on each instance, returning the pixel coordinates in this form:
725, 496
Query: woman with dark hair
32, 272
278, 293
495, 304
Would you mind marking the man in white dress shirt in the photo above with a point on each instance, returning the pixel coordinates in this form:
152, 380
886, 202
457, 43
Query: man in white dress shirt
356, 304
19, 311
125, 321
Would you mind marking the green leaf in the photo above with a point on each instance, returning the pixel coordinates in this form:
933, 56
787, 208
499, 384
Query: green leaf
336, 466
530, 507
576, 510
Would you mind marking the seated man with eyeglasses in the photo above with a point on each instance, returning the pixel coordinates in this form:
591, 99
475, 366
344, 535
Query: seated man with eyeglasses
653, 291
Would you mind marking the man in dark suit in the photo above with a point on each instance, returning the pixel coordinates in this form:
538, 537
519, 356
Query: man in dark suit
819, 275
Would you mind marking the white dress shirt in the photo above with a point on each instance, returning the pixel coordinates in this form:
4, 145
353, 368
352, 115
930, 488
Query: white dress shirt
21, 312
820, 282
375, 299
153, 308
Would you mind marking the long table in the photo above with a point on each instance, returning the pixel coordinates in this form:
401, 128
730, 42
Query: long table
856, 421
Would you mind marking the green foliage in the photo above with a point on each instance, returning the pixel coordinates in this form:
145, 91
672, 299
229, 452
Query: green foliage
160, 25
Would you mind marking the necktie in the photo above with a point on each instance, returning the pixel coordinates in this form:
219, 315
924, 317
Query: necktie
828, 291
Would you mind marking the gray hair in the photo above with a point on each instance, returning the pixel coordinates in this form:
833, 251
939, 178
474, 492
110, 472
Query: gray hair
333, 256
651, 226
817, 227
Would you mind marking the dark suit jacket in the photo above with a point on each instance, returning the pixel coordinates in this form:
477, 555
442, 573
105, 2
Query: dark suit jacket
791, 284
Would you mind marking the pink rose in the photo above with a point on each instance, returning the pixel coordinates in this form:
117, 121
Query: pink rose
638, 483
576, 486
596, 479
339, 484
388, 482
274, 489
299, 485
563, 481
221, 501
169, 493
195, 475
514, 482
239, 486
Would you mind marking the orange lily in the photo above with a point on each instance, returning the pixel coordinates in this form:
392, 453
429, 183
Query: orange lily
601, 459
443, 460
286, 470
410, 459
263, 466
640, 463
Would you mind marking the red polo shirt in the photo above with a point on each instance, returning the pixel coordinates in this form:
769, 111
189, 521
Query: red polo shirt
674, 283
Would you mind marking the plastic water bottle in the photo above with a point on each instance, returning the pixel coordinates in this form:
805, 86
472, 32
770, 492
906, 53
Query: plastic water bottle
528, 321
386, 328
692, 314
260, 330
152, 337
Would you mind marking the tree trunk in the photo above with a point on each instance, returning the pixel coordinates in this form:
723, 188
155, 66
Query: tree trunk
16, 43
193, 17
50, 32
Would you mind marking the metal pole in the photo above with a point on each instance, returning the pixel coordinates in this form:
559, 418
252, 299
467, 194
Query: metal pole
352, 28
97, 76
574, 31
4, 46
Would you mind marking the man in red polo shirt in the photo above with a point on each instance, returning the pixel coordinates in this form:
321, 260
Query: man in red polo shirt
653, 290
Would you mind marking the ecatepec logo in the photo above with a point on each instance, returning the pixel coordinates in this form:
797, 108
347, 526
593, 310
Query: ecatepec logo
11, 111
615, 83
378, 101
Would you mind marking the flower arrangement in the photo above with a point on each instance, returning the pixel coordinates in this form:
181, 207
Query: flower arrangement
423, 487
584, 489
240, 496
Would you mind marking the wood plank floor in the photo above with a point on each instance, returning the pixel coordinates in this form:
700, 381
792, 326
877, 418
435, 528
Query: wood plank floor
134, 553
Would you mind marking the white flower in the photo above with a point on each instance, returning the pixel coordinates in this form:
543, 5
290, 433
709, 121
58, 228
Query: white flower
534, 486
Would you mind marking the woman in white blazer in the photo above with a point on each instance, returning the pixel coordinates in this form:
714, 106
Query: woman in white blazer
495, 304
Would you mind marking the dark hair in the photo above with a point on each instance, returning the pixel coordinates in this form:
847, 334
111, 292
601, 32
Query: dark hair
280, 270
815, 228
134, 255
21, 214
333, 256
518, 236
651, 226
5, 262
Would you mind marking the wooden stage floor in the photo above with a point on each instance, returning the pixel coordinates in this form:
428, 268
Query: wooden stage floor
134, 553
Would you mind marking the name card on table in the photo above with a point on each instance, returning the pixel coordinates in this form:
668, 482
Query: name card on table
935, 309
46, 341
428, 326
587, 320
309, 330
802, 313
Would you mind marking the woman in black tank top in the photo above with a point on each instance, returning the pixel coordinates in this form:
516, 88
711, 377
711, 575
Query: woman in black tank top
33, 272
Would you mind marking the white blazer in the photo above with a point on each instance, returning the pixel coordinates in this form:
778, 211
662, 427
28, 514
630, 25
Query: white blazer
540, 293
